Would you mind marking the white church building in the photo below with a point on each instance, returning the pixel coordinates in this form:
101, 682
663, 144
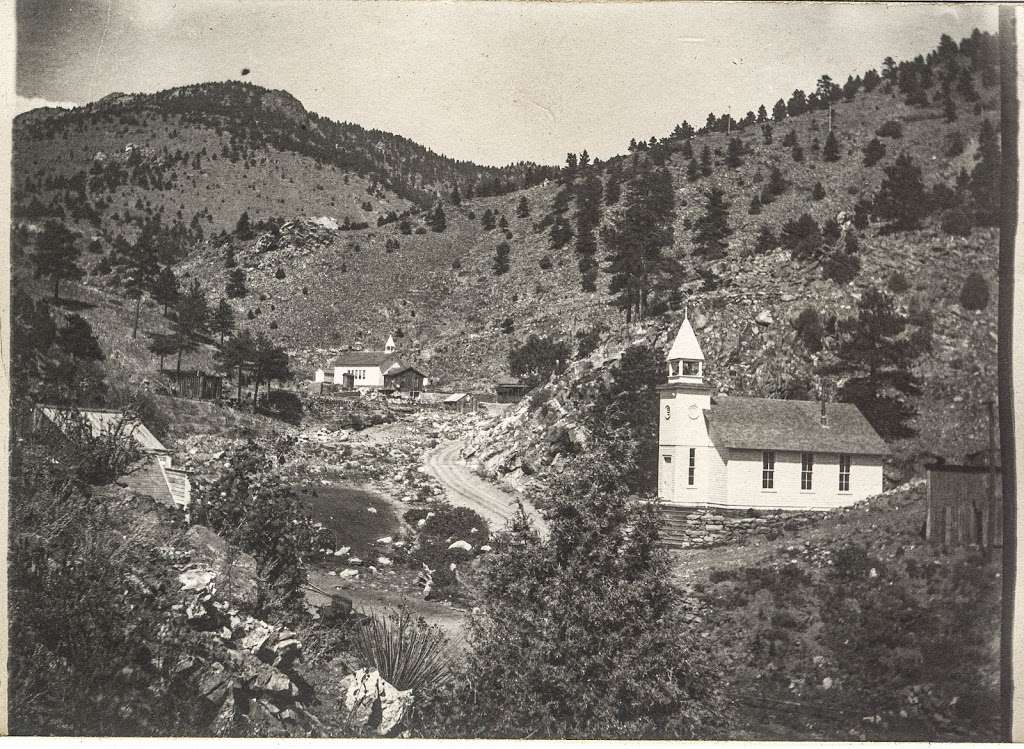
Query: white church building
764, 453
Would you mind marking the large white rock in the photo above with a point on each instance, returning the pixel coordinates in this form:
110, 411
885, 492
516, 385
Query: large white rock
464, 545
371, 702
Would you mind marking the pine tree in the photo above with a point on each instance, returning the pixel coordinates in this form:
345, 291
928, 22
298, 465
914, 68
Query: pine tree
779, 111
56, 255
693, 170
243, 229
162, 345
831, 151
776, 182
165, 288
711, 229
762, 114
686, 150
733, 153
901, 197
192, 319
818, 191
223, 319
873, 152
766, 241
437, 221
766, 134
77, 339
500, 265
523, 207
138, 267
229, 257
236, 284
984, 183
755, 206
487, 220
456, 196
636, 241
875, 354
705, 161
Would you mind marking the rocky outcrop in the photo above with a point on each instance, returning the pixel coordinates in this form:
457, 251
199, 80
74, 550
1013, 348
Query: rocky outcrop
372, 704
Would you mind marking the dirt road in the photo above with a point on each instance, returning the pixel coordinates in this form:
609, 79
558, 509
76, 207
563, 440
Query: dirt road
465, 488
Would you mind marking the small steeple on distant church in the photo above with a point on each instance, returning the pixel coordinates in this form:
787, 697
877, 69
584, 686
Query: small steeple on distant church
389, 347
685, 359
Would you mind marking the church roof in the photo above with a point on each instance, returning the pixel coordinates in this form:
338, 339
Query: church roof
685, 345
769, 424
382, 359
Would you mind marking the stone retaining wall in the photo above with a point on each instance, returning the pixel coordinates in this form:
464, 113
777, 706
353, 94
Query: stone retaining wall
704, 527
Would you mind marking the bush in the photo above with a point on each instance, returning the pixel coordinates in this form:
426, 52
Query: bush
809, 329
956, 221
898, 283
546, 263
890, 129
802, 237
817, 192
974, 295
840, 267
282, 404
279, 273
596, 588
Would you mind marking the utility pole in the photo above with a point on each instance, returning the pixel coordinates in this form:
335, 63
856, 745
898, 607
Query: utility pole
990, 526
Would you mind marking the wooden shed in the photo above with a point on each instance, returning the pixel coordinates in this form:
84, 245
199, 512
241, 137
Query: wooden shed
405, 380
510, 389
962, 508
196, 385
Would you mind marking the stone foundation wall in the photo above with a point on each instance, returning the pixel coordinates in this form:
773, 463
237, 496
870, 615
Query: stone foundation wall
704, 527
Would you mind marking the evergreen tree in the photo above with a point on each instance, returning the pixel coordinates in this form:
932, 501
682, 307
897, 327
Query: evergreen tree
686, 150
984, 183
776, 182
755, 206
192, 319
802, 237
762, 115
243, 229
77, 339
693, 170
500, 265
733, 153
588, 216
637, 240
487, 220
138, 268
831, 151
236, 284
229, 257
503, 223
613, 187
901, 197
875, 354
223, 319
779, 111
818, 191
56, 255
561, 232
165, 289
705, 161
798, 153
523, 207
237, 353
437, 221
766, 134
873, 152
797, 103
162, 345
456, 196
711, 229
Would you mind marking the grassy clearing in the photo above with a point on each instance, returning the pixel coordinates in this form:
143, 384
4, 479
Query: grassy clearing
344, 511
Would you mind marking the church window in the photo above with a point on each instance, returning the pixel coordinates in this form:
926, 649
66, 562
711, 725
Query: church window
691, 368
806, 471
768, 469
691, 472
844, 473
674, 367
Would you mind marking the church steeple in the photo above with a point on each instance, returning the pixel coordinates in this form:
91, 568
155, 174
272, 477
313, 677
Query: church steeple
389, 347
685, 359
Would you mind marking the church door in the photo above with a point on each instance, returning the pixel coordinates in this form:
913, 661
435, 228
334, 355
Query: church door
666, 478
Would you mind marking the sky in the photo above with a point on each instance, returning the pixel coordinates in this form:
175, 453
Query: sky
491, 82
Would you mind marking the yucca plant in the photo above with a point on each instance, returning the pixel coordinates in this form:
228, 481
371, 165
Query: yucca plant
408, 653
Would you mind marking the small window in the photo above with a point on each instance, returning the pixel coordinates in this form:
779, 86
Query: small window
668, 412
691, 472
667, 458
768, 469
806, 471
674, 367
844, 473
691, 368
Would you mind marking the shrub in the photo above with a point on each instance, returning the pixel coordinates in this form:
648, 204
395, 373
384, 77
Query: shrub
873, 152
898, 283
956, 221
755, 206
809, 329
974, 295
817, 192
840, 267
890, 129
279, 273
282, 404
408, 653
955, 144
766, 240
802, 237
546, 263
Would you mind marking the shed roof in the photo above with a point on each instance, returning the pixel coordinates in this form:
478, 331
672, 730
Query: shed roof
509, 382
769, 424
395, 372
456, 397
382, 359
104, 421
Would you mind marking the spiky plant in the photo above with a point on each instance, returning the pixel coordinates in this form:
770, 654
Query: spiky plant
408, 653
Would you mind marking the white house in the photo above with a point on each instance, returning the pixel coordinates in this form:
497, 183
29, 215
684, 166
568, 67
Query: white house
758, 452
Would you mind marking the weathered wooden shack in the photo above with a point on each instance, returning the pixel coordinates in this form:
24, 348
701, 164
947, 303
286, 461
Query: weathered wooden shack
963, 507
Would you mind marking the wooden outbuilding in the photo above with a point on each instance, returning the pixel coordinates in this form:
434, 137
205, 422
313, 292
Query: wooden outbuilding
509, 389
964, 505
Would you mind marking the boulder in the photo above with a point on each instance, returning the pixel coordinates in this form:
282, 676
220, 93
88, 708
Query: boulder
371, 703
464, 545
764, 317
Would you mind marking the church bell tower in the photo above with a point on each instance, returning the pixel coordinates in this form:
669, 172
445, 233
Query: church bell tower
684, 447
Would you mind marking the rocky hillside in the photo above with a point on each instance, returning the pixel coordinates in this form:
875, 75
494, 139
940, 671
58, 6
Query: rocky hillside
350, 251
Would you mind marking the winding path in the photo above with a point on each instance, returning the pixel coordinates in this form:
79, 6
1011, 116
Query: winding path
465, 488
